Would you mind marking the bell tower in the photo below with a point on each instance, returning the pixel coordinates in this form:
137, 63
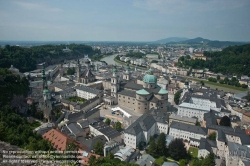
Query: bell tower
114, 84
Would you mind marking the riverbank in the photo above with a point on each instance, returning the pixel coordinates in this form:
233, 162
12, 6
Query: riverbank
109, 59
132, 66
224, 87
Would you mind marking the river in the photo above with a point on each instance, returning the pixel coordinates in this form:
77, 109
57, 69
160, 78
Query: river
109, 59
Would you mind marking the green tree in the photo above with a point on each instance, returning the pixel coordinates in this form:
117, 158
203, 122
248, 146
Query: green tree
177, 96
108, 121
218, 77
92, 160
98, 148
209, 160
212, 136
183, 162
225, 121
161, 144
118, 126
195, 162
70, 71
154, 61
71, 146
177, 149
202, 83
248, 96
152, 147
244, 86
110, 156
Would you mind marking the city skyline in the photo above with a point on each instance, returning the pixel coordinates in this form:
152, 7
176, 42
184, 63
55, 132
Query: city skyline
133, 20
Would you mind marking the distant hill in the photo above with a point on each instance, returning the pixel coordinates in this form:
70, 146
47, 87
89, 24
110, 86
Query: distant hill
171, 39
211, 43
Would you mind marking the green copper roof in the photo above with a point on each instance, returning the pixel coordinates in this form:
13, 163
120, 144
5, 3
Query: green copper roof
163, 92
149, 78
46, 91
115, 69
142, 92
127, 67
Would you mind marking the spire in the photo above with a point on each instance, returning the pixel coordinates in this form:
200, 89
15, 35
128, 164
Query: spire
114, 69
45, 85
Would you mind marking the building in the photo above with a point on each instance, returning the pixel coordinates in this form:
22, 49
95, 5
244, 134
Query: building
141, 98
100, 128
145, 160
58, 139
206, 146
144, 127
87, 76
197, 102
188, 132
87, 92
182, 119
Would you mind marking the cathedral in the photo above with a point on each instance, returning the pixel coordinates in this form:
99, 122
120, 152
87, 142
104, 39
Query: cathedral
87, 76
140, 97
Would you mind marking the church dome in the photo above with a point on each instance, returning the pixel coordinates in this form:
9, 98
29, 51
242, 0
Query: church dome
115, 69
148, 78
46, 91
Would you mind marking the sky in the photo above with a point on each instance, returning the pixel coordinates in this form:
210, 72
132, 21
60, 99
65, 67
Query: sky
124, 20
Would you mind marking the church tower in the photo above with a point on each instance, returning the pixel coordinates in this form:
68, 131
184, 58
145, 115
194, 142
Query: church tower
126, 75
46, 91
114, 84
78, 71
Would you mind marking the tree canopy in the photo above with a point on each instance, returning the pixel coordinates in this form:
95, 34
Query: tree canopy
209, 160
98, 148
231, 60
177, 149
152, 147
118, 126
25, 59
161, 144
225, 121
177, 96
108, 121
212, 136
14, 128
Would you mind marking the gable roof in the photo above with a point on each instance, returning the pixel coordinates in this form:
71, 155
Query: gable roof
189, 128
57, 139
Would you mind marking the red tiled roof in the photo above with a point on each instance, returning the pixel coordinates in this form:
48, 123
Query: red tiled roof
57, 139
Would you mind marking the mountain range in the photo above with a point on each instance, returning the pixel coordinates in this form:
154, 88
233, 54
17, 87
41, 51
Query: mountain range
198, 41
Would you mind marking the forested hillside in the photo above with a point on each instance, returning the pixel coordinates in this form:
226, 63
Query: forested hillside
14, 128
25, 59
231, 60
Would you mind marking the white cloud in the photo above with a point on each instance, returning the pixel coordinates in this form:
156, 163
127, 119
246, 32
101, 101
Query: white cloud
36, 6
185, 6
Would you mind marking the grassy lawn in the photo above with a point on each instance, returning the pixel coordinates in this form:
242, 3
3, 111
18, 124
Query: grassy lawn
219, 86
77, 99
160, 160
193, 151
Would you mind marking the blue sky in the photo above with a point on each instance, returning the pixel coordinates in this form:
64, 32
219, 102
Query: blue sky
124, 20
